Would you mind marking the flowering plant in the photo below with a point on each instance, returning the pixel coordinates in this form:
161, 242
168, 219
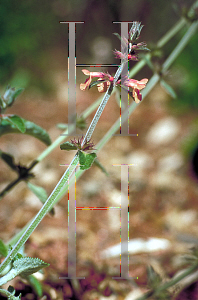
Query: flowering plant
16, 263
105, 79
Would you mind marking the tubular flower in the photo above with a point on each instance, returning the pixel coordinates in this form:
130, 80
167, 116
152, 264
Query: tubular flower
84, 86
105, 78
136, 86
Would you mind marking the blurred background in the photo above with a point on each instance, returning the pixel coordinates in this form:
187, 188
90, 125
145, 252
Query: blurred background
34, 45
164, 193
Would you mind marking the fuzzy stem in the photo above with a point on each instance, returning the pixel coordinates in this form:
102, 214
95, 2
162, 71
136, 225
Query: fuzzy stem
43, 211
63, 181
55, 193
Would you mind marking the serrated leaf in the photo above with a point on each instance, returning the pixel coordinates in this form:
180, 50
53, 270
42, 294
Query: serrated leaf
28, 265
3, 249
68, 146
24, 266
40, 193
36, 285
168, 88
16, 121
31, 129
18, 256
9, 159
86, 159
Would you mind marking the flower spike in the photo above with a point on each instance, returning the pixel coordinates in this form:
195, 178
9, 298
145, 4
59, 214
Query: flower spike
130, 44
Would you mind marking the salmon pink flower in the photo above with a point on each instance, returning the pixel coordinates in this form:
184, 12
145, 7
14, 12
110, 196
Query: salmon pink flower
136, 86
105, 78
84, 86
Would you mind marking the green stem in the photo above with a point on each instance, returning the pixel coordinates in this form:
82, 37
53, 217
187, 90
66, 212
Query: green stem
183, 42
43, 211
168, 284
9, 187
173, 31
102, 105
9, 295
152, 82
169, 35
63, 181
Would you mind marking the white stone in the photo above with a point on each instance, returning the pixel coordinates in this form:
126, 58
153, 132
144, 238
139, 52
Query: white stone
138, 246
133, 295
171, 162
141, 159
163, 132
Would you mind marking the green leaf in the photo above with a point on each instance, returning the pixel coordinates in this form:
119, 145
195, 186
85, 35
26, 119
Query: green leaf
168, 88
40, 193
24, 267
86, 159
96, 82
2, 103
154, 279
36, 285
68, 146
9, 159
121, 39
62, 126
3, 249
18, 92
148, 61
81, 122
28, 265
16, 121
31, 129
11, 94
100, 166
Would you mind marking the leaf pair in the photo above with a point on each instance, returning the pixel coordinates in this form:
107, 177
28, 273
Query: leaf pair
85, 159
